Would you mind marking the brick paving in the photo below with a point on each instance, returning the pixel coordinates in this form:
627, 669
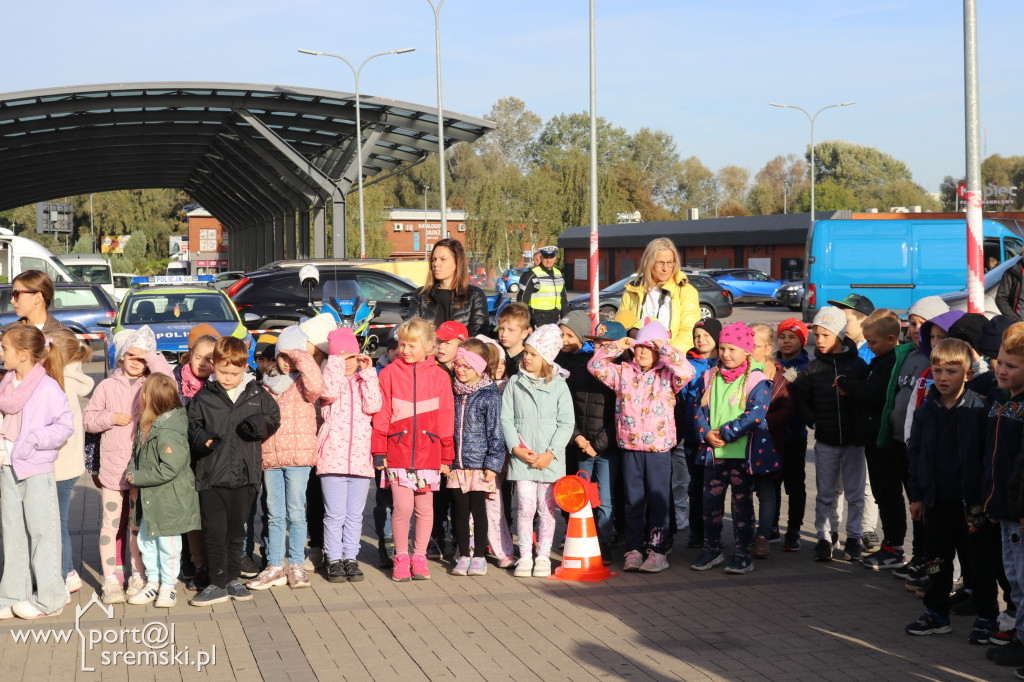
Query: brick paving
791, 619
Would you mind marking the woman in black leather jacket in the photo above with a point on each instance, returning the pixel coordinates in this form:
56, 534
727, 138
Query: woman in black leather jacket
447, 295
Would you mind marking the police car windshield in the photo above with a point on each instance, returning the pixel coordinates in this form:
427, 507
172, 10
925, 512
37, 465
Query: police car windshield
170, 308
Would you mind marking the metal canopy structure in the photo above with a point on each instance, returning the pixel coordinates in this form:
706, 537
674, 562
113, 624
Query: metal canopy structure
265, 160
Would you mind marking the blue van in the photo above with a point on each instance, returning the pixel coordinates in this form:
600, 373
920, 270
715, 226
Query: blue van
896, 262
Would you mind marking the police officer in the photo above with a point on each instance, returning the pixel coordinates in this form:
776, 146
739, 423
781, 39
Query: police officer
543, 290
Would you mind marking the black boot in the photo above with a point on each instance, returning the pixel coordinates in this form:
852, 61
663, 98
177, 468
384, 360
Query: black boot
352, 570
336, 572
387, 558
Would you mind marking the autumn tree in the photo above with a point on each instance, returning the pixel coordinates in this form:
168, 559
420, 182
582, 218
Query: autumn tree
778, 185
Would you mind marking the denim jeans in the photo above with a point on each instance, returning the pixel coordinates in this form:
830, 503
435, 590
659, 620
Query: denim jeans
160, 555
64, 489
31, 533
344, 501
1013, 563
603, 469
767, 503
680, 488
249, 541
286, 509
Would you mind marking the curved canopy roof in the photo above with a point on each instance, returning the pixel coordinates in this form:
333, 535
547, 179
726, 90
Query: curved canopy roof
245, 151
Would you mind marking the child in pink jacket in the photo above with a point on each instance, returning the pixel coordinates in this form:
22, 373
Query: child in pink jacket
114, 412
351, 396
295, 383
645, 392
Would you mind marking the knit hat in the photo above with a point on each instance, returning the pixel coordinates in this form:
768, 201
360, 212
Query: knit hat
608, 331
833, 319
198, 331
291, 338
710, 325
944, 321
928, 307
968, 328
547, 341
739, 335
453, 330
992, 335
650, 332
317, 328
343, 341
142, 338
265, 346
578, 323
796, 326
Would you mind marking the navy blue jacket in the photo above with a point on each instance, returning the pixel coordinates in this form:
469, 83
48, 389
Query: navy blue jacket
796, 430
946, 443
1002, 448
686, 401
478, 440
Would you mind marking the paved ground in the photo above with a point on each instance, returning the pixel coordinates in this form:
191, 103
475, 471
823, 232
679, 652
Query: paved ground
791, 618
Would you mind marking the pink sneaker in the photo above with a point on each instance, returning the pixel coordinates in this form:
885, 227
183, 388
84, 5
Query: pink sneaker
419, 567
401, 573
654, 563
632, 561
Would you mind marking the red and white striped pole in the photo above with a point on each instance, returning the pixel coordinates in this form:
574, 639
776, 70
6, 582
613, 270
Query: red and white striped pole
975, 264
593, 267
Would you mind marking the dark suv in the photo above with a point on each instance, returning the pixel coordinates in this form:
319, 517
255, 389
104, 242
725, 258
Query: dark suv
274, 298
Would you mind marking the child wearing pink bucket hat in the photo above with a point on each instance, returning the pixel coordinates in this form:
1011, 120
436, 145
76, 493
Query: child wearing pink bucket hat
730, 414
645, 393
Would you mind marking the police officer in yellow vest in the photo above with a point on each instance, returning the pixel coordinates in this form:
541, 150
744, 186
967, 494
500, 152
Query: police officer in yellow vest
543, 290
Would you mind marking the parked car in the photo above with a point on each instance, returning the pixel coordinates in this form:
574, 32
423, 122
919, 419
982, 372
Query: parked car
790, 295
223, 280
508, 283
171, 307
79, 307
274, 298
746, 285
713, 301
957, 300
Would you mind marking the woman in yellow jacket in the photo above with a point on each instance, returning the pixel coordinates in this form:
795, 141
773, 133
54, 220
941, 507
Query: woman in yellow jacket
662, 292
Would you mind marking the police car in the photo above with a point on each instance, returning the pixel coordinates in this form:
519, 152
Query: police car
171, 306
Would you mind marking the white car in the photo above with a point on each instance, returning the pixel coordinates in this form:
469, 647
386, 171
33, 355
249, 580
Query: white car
957, 300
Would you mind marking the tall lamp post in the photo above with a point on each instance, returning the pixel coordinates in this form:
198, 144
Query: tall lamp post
359, 130
812, 119
440, 117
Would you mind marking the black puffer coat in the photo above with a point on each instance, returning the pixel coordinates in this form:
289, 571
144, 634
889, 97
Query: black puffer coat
473, 313
593, 404
237, 429
833, 417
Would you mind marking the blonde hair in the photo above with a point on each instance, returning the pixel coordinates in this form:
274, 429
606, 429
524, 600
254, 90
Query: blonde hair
159, 395
952, 352
766, 334
70, 346
650, 255
28, 338
547, 372
1013, 339
417, 329
515, 312
883, 321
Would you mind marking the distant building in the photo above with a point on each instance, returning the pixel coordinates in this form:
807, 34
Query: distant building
208, 243
413, 232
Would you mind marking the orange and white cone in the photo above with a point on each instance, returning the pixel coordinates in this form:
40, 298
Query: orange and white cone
581, 558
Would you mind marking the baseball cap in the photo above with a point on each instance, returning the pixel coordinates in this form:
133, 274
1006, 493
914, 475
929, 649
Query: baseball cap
452, 330
862, 304
608, 331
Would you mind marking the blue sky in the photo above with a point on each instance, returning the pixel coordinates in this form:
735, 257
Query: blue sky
703, 71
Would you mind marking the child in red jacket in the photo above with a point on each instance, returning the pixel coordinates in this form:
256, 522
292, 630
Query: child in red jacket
413, 440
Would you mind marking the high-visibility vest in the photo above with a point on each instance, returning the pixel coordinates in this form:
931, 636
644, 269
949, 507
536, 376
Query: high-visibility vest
548, 294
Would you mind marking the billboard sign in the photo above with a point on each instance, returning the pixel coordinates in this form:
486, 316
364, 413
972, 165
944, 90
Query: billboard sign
53, 217
114, 244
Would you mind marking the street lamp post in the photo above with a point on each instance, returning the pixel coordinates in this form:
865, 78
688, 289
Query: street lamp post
426, 224
359, 130
811, 119
440, 117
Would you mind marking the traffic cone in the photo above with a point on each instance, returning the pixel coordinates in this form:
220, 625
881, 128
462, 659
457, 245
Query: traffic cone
581, 558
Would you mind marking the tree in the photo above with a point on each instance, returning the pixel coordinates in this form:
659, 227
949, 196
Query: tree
900, 193
948, 193
829, 196
855, 166
135, 250
653, 157
777, 185
566, 135
695, 187
82, 245
510, 142
732, 184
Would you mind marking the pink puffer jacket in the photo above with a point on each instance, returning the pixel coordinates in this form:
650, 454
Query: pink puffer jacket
118, 393
294, 444
348, 405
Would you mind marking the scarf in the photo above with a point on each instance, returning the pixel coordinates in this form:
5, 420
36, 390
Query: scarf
463, 389
12, 400
536, 381
279, 383
190, 383
731, 375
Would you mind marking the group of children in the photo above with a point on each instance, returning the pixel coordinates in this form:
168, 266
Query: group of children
448, 427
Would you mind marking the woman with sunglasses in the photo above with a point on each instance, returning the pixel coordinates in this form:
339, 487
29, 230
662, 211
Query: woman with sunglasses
32, 294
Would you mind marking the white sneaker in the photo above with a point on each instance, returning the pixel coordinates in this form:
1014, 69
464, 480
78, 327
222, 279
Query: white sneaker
135, 585
6, 613
524, 567
167, 597
145, 595
26, 609
542, 567
73, 582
